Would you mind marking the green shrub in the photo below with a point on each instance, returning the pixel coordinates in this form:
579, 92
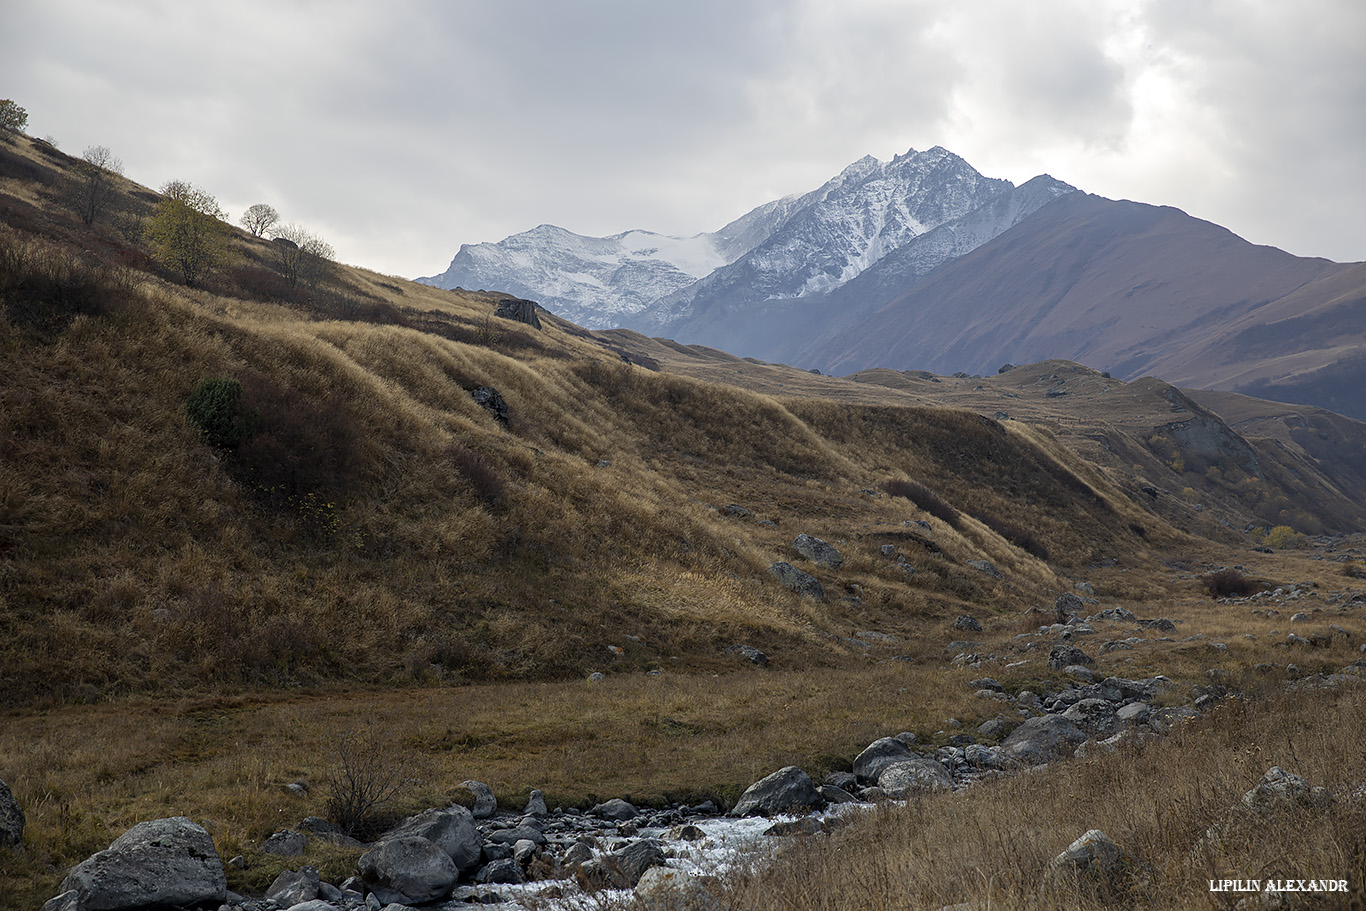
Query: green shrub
215, 407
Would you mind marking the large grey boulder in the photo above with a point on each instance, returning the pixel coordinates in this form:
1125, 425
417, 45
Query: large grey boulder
11, 819
919, 775
788, 790
452, 830
817, 551
667, 889
1043, 739
623, 868
879, 754
163, 863
800, 582
409, 870
485, 804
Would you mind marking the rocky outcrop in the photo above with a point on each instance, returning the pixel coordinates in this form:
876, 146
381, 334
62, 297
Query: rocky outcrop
667, 889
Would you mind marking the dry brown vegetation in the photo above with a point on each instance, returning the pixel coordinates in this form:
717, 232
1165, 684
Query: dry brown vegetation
185, 629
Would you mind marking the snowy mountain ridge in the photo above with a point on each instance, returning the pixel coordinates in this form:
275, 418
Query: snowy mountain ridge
797, 247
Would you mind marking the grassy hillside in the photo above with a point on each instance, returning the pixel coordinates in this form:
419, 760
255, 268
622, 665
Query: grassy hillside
382, 527
380, 548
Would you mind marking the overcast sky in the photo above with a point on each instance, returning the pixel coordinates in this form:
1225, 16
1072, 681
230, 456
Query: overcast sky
400, 129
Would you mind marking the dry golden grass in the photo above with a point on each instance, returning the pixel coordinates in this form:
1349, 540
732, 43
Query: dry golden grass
176, 639
989, 846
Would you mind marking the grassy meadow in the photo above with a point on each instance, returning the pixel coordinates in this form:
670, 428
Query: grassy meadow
187, 628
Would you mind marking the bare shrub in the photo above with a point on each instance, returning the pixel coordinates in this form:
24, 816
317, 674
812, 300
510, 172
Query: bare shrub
1229, 583
925, 498
366, 771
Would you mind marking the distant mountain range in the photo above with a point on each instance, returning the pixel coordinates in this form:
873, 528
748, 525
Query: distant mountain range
923, 263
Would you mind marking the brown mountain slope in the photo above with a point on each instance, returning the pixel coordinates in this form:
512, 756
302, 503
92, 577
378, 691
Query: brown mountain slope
1122, 286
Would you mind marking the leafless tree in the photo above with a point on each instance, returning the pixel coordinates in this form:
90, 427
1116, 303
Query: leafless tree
303, 256
259, 219
92, 187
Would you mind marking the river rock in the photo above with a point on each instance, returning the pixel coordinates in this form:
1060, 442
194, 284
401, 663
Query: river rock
911, 776
485, 804
667, 889
164, 862
616, 808
452, 830
292, 887
817, 551
788, 790
409, 870
879, 754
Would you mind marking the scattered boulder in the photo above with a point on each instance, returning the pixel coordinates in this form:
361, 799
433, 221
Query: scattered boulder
985, 566
749, 653
1280, 789
1043, 739
919, 774
667, 889
11, 819
800, 582
788, 790
736, 511
285, 843
535, 804
452, 830
1064, 655
485, 804
1094, 860
491, 400
1068, 605
817, 551
164, 862
879, 754
409, 870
